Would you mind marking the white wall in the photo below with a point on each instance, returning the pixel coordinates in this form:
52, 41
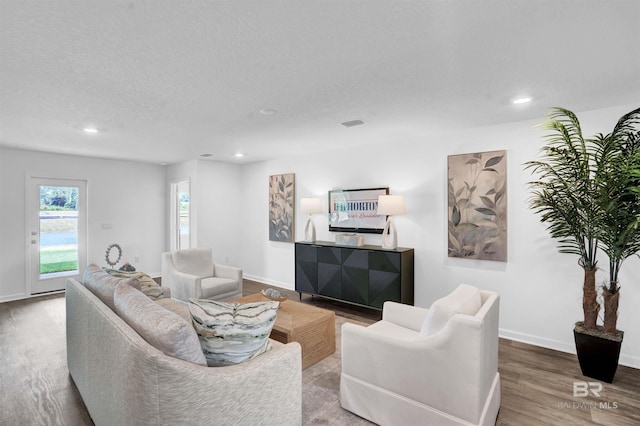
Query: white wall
127, 195
215, 202
540, 289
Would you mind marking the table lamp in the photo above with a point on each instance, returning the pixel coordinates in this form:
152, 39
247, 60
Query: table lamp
390, 205
310, 206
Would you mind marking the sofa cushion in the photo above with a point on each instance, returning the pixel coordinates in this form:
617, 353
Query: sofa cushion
103, 285
231, 333
465, 299
194, 261
163, 329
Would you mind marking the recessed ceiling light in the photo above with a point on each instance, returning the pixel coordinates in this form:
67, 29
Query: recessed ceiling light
238, 155
90, 130
522, 100
267, 111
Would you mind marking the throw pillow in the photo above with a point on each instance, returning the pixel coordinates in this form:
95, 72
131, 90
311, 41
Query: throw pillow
163, 329
103, 285
176, 306
465, 299
147, 284
231, 333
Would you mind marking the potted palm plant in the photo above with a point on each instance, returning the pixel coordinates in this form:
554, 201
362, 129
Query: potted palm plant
564, 198
588, 194
619, 204
616, 158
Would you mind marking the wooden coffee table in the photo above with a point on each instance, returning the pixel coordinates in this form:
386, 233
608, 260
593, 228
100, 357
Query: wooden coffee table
314, 328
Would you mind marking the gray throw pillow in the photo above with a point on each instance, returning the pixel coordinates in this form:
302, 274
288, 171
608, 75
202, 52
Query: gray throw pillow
163, 329
231, 333
103, 285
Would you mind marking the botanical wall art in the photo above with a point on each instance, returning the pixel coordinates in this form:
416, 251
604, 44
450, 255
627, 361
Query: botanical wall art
281, 207
477, 207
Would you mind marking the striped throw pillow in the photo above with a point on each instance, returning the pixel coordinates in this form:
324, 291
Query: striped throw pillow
231, 333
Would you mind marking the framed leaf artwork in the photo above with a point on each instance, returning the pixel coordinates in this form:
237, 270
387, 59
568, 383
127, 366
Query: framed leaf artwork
477, 205
281, 207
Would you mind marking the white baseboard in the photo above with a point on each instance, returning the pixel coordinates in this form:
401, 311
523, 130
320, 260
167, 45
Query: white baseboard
531, 339
12, 297
630, 360
267, 281
22, 296
626, 360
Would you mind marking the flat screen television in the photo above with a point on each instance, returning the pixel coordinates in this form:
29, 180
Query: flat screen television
355, 210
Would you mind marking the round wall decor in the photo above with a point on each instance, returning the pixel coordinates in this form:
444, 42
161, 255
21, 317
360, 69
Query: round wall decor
108, 255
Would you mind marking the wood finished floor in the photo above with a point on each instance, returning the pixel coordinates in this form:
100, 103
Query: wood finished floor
537, 383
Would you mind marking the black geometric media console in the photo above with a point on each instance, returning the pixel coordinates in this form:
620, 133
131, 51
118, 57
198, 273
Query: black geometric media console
366, 275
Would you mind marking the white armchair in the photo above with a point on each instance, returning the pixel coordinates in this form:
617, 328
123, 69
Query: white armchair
436, 366
194, 273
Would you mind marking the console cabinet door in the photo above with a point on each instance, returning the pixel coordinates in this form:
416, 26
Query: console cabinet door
306, 268
330, 272
355, 276
384, 278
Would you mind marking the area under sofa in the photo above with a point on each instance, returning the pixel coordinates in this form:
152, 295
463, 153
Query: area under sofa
124, 380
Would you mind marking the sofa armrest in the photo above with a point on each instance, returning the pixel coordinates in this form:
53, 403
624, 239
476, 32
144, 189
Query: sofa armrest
407, 316
265, 390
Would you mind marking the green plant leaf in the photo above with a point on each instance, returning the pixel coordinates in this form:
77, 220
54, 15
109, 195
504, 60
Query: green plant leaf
488, 202
455, 216
493, 161
486, 223
486, 211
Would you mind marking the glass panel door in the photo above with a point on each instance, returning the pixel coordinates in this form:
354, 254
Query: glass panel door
180, 215
58, 232
183, 212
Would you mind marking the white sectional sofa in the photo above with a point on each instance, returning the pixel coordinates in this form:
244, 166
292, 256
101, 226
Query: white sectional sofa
123, 380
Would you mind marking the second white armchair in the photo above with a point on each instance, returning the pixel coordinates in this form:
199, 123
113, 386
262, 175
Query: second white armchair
436, 366
194, 273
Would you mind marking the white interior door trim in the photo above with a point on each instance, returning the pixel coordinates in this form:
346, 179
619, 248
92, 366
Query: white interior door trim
35, 284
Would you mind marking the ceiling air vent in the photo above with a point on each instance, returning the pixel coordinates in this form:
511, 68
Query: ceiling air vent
352, 123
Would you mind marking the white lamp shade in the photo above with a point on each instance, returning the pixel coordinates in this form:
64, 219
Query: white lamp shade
310, 205
391, 205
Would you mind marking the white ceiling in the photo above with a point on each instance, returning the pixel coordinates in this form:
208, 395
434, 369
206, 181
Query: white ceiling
167, 81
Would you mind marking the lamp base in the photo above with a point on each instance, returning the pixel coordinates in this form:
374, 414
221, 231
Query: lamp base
310, 231
390, 235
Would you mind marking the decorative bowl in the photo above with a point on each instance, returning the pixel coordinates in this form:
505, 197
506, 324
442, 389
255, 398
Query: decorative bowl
272, 294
